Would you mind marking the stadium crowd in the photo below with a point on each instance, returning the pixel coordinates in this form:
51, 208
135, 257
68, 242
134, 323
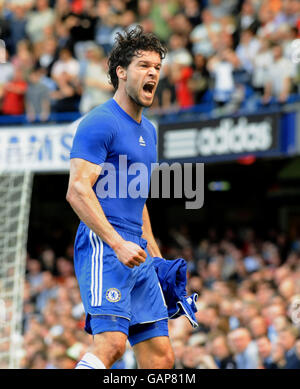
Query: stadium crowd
223, 55
248, 304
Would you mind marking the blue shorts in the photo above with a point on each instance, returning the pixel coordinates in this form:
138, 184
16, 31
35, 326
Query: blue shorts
116, 297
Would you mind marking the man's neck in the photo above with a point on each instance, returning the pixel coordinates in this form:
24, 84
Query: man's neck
128, 105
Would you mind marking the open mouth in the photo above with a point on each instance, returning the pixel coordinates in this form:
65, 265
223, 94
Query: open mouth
149, 87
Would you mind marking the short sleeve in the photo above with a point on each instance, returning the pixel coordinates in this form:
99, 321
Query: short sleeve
154, 134
93, 138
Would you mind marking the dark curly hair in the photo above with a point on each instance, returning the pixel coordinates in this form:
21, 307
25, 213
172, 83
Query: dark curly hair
127, 45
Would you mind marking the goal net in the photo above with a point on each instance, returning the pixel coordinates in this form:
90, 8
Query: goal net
15, 195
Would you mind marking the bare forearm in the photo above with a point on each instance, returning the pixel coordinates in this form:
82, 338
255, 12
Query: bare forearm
152, 247
82, 198
89, 210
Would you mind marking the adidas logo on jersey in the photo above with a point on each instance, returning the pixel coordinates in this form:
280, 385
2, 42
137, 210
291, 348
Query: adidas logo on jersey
141, 141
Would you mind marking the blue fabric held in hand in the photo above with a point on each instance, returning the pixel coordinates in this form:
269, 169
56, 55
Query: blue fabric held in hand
172, 277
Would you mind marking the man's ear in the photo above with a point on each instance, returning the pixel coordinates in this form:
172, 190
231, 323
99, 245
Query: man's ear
121, 73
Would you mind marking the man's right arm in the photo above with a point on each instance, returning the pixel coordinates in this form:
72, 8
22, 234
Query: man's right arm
82, 198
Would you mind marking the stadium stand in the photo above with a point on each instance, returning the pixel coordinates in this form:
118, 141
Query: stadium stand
246, 285
223, 56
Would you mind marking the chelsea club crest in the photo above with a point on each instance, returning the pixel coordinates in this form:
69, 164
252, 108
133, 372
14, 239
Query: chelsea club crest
113, 295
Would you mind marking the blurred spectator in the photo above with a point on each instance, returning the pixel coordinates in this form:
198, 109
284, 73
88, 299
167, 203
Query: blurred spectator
66, 64
180, 24
17, 26
48, 260
62, 10
266, 17
278, 83
37, 97
81, 26
213, 273
221, 68
264, 347
288, 14
209, 319
247, 50
143, 10
181, 74
244, 349
161, 15
49, 291
65, 72
23, 57
261, 64
273, 311
6, 73
38, 20
177, 47
195, 356
221, 8
289, 38
221, 353
34, 276
188, 359
287, 339
13, 93
64, 268
247, 18
199, 82
204, 34
191, 9
258, 327
4, 23
125, 21
48, 55
105, 25
195, 284
165, 97
278, 356
39, 361
287, 289
96, 88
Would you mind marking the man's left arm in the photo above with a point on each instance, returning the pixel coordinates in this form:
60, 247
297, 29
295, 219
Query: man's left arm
152, 246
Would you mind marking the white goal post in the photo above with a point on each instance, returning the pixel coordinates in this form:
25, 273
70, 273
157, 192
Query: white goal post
15, 195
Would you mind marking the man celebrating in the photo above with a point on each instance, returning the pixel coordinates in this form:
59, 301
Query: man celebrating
114, 246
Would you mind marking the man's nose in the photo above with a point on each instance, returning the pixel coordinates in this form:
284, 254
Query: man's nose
153, 71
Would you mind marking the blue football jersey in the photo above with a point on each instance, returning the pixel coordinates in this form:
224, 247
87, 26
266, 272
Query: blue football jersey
126, 150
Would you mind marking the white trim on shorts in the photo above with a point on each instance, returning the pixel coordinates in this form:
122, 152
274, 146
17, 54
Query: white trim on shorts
97, 269
162, 295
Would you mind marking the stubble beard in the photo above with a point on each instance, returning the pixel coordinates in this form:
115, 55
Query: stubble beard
133, 95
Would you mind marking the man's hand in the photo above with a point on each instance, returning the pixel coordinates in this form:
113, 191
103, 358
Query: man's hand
130, 254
